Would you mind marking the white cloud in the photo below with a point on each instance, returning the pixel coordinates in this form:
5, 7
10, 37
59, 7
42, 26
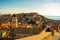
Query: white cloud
52, 9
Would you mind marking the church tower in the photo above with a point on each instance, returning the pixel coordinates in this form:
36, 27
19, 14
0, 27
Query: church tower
14, 22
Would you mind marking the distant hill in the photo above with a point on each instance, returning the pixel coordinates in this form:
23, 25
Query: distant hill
53, 17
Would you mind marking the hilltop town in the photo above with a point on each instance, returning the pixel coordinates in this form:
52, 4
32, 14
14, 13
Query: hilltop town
25, 24
27, 20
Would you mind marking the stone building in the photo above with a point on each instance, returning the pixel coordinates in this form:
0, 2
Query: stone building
14, 22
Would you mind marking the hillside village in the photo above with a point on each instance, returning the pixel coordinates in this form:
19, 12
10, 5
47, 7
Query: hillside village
26, 24
24, 19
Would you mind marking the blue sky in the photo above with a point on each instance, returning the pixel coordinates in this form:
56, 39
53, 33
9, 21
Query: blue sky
20, 5
16, 6
43, 7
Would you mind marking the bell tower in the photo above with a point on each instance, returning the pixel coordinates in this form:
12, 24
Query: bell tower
14, 22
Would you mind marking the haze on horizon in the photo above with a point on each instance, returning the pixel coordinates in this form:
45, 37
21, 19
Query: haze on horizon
43, 7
